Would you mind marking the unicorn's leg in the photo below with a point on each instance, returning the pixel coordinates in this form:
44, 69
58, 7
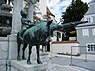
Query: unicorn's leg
23, 51
18, 50
28, 60
38, 58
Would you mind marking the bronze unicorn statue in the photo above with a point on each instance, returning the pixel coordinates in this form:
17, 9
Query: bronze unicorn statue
39, 35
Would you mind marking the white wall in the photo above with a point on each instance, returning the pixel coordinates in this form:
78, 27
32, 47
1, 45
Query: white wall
64, 48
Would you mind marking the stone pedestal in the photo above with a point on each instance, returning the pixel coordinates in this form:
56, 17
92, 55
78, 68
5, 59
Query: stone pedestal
12, 47
23, 66
3, 52
3, 48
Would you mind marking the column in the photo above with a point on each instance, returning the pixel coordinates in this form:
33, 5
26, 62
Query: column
16, 18
30, 11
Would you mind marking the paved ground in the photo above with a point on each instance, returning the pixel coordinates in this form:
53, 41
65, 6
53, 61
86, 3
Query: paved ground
63, 63
57, 62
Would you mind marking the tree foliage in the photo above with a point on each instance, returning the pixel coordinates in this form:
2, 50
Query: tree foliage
75, 11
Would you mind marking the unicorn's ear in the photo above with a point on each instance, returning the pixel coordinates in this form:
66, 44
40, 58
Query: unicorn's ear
49, 22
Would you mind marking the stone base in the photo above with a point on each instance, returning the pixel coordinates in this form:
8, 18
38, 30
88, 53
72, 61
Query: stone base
13, 48
23, 66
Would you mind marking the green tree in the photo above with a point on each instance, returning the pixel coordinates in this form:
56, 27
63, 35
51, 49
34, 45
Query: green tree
74, 12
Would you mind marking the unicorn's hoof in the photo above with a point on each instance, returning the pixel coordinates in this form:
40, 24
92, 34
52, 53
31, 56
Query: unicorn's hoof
28, 62
18, 58
39, 61
23, 58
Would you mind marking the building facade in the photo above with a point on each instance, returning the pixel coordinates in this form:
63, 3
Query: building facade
86, 31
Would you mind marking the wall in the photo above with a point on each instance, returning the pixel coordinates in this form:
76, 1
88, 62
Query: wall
64, 47
84, 40
3, 53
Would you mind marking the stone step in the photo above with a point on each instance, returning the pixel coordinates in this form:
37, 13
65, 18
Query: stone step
23, 66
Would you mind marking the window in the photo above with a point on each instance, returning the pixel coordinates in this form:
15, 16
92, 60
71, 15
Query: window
90, 19
91, 47
88, 47
93, 31
85, 32
94, 47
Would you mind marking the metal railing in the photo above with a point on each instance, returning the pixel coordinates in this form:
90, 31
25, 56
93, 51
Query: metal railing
85, 52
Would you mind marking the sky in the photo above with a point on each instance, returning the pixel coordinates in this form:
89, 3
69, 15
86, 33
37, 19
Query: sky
58, 6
